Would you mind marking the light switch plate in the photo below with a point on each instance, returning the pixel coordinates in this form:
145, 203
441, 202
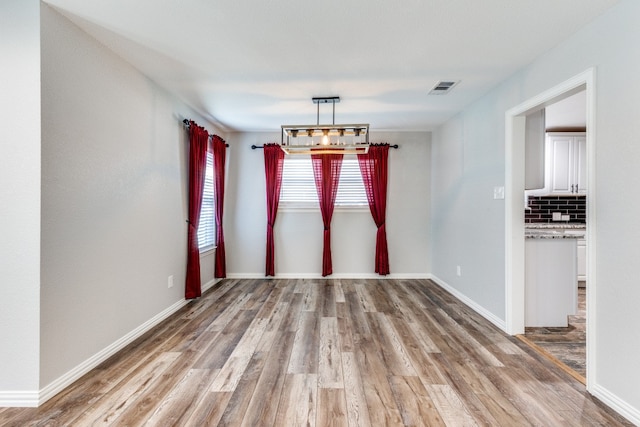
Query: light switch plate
498, 193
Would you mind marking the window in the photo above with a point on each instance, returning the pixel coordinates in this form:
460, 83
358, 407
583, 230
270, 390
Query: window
299, 187
207, 226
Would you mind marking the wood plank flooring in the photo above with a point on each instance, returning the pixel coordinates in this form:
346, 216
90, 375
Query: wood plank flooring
267, 352
568, 345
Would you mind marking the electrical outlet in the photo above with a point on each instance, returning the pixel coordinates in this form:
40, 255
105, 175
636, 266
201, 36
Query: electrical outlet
170, 281
459, 270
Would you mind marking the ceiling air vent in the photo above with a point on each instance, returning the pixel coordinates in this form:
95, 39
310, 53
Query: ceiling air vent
443, 87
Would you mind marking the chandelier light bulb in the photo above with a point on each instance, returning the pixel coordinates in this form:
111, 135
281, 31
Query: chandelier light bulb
325, 136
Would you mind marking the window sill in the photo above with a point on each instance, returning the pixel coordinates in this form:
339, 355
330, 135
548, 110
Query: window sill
305, 209
207, 250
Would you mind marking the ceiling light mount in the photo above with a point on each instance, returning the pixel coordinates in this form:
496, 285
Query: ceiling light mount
325, 138
326, 100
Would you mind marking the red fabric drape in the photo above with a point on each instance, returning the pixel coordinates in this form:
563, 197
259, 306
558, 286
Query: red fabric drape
326, 170
198, 140
219, 158
273, 166
373, 167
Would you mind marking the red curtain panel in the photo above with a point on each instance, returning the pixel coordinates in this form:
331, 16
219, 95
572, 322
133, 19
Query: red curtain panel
198, 139
219, 159
374, 170
273, 166
326, 171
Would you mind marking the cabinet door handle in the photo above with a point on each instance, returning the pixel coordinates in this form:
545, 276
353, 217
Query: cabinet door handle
572, 188
576, 188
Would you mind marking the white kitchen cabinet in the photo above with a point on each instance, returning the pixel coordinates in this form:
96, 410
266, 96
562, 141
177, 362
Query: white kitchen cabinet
582, 259
551, 285
566, 171
567, 163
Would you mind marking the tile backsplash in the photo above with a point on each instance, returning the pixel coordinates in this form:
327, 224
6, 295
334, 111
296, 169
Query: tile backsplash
542, 208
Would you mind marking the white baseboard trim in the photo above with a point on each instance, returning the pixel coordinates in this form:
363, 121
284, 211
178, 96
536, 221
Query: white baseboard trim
614, 402
19, 399
333, 276
471, 304
65, 380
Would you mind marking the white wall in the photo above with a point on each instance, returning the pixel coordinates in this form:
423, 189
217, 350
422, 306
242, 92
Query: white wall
468, 160
467, 222
298, 235
114, 193
19, 199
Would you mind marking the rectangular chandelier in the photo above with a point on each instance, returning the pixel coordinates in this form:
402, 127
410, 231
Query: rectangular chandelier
325, 139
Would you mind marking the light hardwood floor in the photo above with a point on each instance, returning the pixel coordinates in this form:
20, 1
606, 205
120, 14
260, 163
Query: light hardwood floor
323, 353
567, 346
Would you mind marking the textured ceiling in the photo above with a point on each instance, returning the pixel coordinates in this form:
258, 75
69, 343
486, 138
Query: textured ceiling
256, 64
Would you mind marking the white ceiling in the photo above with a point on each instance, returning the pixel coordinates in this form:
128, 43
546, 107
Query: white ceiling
256, 64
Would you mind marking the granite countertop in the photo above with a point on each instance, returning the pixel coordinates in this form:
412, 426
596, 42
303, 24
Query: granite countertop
555, 231
556, 225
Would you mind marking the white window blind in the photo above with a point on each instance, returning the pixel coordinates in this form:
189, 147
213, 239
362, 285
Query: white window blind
206, 228
299, 188
351, 188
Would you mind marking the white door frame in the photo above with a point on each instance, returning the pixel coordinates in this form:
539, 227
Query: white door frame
514, 206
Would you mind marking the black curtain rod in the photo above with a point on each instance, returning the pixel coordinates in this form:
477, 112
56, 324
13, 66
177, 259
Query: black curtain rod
187, 123
253, 147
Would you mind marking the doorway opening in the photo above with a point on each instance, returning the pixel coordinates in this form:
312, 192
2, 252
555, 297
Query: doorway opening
514, 215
